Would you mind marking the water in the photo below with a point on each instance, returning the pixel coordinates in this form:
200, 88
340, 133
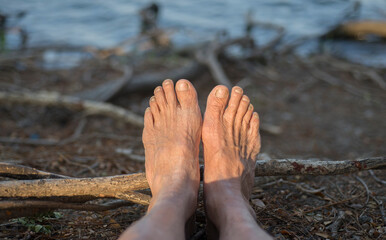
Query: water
106, 23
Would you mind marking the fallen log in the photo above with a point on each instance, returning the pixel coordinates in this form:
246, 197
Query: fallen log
357, 30
116, 185
14, 193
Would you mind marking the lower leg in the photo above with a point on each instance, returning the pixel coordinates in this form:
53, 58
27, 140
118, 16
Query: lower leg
165, 220
230, 215
231, 143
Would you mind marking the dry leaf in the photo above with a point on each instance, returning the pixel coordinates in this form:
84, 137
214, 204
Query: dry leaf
258, 203
327, 222
323, 235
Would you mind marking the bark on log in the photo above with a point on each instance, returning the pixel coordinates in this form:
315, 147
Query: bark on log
317, 167
89, 107
101, 187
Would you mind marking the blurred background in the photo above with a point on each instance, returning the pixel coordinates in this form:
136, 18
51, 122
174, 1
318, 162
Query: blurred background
107, 23
315, 72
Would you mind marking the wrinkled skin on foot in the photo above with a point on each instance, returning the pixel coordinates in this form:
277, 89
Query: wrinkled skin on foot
231, 139
171, 138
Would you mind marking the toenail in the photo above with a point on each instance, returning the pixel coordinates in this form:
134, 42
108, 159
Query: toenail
147, 109
220, 93
238, 90
152, 99
255, 115
168, 82
157, 89
182, 86
250, 107
245, 98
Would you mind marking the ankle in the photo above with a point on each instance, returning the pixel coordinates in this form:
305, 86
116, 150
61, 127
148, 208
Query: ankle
185, 202
227, 207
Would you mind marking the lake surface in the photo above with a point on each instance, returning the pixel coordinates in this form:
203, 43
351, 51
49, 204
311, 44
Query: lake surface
106, 23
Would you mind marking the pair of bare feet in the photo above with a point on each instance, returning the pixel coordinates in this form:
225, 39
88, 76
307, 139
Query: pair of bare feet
231, 141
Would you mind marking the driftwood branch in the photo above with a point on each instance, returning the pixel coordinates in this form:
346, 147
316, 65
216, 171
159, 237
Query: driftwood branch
208, 55
100, 187
25, 173
89, 107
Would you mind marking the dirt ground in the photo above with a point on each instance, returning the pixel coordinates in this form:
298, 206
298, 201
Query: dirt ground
315, 119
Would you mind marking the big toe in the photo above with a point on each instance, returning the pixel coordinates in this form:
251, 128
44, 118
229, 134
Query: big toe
186, 94
217, 101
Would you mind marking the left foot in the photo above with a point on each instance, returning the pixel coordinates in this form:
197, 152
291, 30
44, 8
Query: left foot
171, 138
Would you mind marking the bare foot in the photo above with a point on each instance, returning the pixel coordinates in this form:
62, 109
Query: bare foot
171, 139
231, 141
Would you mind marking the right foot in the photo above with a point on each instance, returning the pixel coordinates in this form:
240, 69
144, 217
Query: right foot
231, 142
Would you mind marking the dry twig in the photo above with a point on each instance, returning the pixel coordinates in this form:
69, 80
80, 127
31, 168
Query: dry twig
207, 55
297, 185
376, 178
366, 187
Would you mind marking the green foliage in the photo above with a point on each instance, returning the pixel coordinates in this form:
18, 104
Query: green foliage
37, 224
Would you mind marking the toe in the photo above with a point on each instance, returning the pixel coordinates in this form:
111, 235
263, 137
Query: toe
244, 129
216, 102
148, 118
253, 136
160, 98
186, 94
242, 109
233, 105
170, 94
154, 108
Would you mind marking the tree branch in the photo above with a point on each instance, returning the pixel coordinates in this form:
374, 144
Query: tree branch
55, 99
275, 167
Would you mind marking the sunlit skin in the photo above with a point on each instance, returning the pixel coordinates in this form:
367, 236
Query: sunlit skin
171, 137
